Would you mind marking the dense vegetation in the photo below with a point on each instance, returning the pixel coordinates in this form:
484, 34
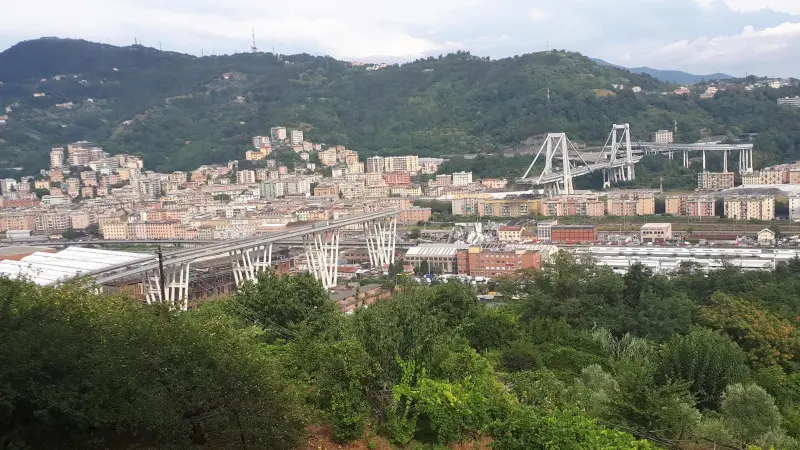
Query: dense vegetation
576, 357
184, 113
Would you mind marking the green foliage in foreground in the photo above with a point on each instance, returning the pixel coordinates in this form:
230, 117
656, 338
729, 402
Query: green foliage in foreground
566, 363
84, 370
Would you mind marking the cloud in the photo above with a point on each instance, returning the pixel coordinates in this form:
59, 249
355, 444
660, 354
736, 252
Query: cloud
754, 46
699, 35
539, 15
748, 6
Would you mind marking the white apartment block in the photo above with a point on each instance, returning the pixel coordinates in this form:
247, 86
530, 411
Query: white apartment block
375, 164
296, 137
149, 189
297, 186
794, 208
260, 141
328, 157
750, 208
245, 177
462, 178
351, 190
663, 137
277, 134
358, 167
57, 158
7, 185
401, 163
272, 189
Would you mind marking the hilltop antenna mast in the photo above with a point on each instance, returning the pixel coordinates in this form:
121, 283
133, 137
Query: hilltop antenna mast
253, 47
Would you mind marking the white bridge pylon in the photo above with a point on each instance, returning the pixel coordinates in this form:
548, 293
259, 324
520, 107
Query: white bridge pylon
554, 182
322, 256
616, 160
175, 289
248, 263
618, 152
381, 241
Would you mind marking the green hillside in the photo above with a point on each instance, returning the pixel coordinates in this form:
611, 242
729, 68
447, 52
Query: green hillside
178, 111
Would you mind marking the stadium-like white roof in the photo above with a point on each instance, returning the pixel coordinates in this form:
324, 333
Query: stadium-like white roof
49, 268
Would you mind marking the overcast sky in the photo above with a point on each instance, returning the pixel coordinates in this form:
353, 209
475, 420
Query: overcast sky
700, 36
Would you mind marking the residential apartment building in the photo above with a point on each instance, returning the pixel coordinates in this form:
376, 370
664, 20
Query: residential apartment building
508, 233
115, 230
297, 185
794, 208
149, 188
631, 205
443, 180
690, 205
155, 230
245, 177
508, 207
260, 141
464, 206
414, 215
256, 155
462, 178
397, 178
351, 190
277, 134
296, 137
750, 208
328, 157
715, 180
573, 205
408, 163
493, 183
52, 222
376, 191
406, 191
326, 190
766, 177
57, 158
663, 137
271, 189
354, 167
374, 179
17, 221
375, 164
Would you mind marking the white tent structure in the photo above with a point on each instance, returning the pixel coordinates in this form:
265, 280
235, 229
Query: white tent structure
45, 268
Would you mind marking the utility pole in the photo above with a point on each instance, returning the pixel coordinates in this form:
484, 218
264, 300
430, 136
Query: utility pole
161, 273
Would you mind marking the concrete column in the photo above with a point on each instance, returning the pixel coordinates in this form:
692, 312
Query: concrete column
725, 161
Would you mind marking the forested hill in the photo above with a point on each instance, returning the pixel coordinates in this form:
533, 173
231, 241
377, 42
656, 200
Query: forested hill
179, 111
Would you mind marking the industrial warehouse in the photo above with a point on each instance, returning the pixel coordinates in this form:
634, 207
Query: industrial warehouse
669, 259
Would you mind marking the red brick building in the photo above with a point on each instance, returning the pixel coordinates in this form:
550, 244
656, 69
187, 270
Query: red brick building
574, 233
395, 179
479, 262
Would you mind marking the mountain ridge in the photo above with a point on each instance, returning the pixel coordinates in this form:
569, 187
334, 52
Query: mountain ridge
180, 111
668, 76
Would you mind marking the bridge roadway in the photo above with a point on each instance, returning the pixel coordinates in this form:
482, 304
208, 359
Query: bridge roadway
292, 242
130, 270
578, 171
666, 148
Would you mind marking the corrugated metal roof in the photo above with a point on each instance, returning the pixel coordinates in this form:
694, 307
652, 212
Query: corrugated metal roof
438, 250
49, 268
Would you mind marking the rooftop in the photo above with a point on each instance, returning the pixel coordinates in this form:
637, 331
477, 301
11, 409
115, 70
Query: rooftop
50, 268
